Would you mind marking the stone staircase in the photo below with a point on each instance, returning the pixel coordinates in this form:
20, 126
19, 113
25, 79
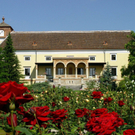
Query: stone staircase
73, 87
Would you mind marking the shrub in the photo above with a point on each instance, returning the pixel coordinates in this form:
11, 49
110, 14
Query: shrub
39, 87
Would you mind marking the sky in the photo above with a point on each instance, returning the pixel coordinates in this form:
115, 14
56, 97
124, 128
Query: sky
68, 15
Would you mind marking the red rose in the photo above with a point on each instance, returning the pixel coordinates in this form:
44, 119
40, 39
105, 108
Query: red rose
107, 100
87, 112
14, 120
129, 132
59, 115
11, 91
66, 99
40, 113
98, 112
79, 113
121, 103
97, 94
53, 104
105, 124
21, 110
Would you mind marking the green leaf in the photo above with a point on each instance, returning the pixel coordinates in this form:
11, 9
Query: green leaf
74, 129
23, 130
2, 132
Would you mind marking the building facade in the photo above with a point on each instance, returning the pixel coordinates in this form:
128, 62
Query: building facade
68, 57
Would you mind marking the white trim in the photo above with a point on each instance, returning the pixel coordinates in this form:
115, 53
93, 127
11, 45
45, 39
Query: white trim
68, 52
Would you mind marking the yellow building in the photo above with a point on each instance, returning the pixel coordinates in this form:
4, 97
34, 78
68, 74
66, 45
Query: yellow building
69, 57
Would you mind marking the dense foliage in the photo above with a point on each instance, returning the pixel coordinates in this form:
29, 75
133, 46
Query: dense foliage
130, 69
65, 111
38, 87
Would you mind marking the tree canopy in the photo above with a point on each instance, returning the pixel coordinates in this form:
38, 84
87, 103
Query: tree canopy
10, 64
130, 69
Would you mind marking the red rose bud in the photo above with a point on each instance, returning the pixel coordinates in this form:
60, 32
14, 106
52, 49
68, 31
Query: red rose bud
121, 103
12, 106
54, 86
107, 100
66, 99
33, 110
53, 104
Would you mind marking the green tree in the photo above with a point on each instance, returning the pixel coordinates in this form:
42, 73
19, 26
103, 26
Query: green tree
130, 69
107, 80
11, 68
2, 64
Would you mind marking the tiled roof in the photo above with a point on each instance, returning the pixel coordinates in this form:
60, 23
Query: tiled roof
3, 25
69, 40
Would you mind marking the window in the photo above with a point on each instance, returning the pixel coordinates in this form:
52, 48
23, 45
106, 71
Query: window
80, 71
114, 71
92, 58
48, 58
60, 71
48, 71
27, 58
113, 56
92, 71
27, 72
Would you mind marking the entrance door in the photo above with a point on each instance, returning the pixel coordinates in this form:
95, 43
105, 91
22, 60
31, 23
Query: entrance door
70, 71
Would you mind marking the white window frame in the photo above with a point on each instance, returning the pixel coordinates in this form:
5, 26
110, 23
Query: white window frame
27, 56
92, 56
115, 56
27, 76
48, 56
115, 76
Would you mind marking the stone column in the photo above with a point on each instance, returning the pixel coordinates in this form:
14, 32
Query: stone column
54, 72
87, 74
65, 72
36, 71
75, 72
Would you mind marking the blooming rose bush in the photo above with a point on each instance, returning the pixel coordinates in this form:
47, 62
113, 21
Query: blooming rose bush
70, 112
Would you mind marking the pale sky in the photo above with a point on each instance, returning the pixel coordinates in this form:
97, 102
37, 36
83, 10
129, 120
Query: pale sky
68, 15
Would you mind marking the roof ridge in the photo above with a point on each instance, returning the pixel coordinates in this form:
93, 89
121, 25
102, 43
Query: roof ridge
71, 31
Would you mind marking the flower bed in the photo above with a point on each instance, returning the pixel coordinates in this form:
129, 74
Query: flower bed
66, 111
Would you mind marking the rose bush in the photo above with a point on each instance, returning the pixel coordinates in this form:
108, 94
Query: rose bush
85, 110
